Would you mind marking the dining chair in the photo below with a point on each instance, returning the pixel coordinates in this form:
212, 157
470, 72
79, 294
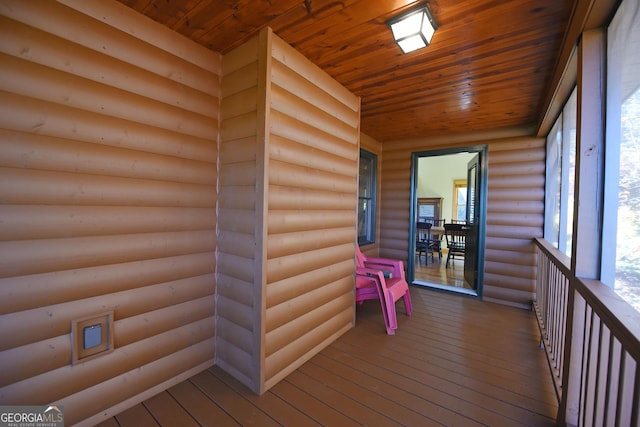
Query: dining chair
423, 241
455, 235
382, 279
435, 237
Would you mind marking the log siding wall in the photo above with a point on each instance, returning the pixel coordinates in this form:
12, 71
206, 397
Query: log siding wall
311, 207
515, 216
115, 195
515, 207
288, 182
108, 150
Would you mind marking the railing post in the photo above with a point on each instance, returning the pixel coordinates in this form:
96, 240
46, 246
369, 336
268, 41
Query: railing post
569, 407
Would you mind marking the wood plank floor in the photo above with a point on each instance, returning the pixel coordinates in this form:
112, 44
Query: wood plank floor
435, 271
455, 361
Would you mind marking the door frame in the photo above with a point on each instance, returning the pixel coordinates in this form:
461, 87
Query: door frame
483, 152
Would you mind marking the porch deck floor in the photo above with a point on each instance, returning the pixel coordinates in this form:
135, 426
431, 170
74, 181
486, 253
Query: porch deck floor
455, 361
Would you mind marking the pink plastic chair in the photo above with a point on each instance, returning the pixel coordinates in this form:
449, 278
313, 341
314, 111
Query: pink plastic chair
382, 279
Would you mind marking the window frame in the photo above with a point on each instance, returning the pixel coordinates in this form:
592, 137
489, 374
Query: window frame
617, 47
369, 216
457, 185
561, 143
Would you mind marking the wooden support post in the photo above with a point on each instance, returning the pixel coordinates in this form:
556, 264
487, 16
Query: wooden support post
587, 222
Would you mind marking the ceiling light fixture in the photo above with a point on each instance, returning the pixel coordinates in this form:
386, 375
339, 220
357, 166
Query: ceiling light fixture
414, 29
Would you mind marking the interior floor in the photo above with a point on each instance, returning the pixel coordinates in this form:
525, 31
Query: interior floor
435, 271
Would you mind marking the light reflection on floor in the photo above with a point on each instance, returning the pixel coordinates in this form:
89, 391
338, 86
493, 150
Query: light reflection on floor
436, 274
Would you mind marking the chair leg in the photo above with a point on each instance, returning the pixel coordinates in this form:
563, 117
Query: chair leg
385, 316
392, 323
408, 306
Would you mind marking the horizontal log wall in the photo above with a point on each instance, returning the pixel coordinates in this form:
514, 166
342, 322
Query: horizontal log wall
515, 208
287, 211
515, 216
312, 171
108, 150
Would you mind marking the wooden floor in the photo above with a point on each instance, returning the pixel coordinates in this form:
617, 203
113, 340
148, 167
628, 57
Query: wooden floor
436, 271
455, 361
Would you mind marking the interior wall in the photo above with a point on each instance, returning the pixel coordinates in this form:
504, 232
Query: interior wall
515, 206
436, 177
108, 133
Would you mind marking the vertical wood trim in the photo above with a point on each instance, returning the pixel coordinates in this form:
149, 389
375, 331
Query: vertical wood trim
238, 196
588, 199
262, 165
587, 222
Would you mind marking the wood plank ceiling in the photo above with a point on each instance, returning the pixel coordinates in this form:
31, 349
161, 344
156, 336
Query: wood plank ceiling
488, 67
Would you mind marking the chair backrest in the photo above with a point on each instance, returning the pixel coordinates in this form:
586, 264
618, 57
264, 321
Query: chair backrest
455, 235
360, 257
434, 222
422, 230
391, 267
423, 225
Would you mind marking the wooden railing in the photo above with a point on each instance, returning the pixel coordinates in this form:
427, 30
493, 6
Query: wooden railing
552, 291
592, 340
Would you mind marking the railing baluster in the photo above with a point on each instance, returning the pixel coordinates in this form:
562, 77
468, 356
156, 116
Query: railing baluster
565, 303
608, 384
596, 372
597, 376
619, 397
586, 363
636, 398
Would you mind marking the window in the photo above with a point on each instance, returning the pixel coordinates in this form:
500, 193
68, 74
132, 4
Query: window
460, 199
559, 192
367, 179
621, 225
429, 209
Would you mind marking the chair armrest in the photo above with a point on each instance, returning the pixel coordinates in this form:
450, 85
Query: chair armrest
371, 274
365, 271
392, 266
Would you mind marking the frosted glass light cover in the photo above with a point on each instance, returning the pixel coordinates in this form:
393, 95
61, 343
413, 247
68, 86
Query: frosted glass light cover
413, 31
